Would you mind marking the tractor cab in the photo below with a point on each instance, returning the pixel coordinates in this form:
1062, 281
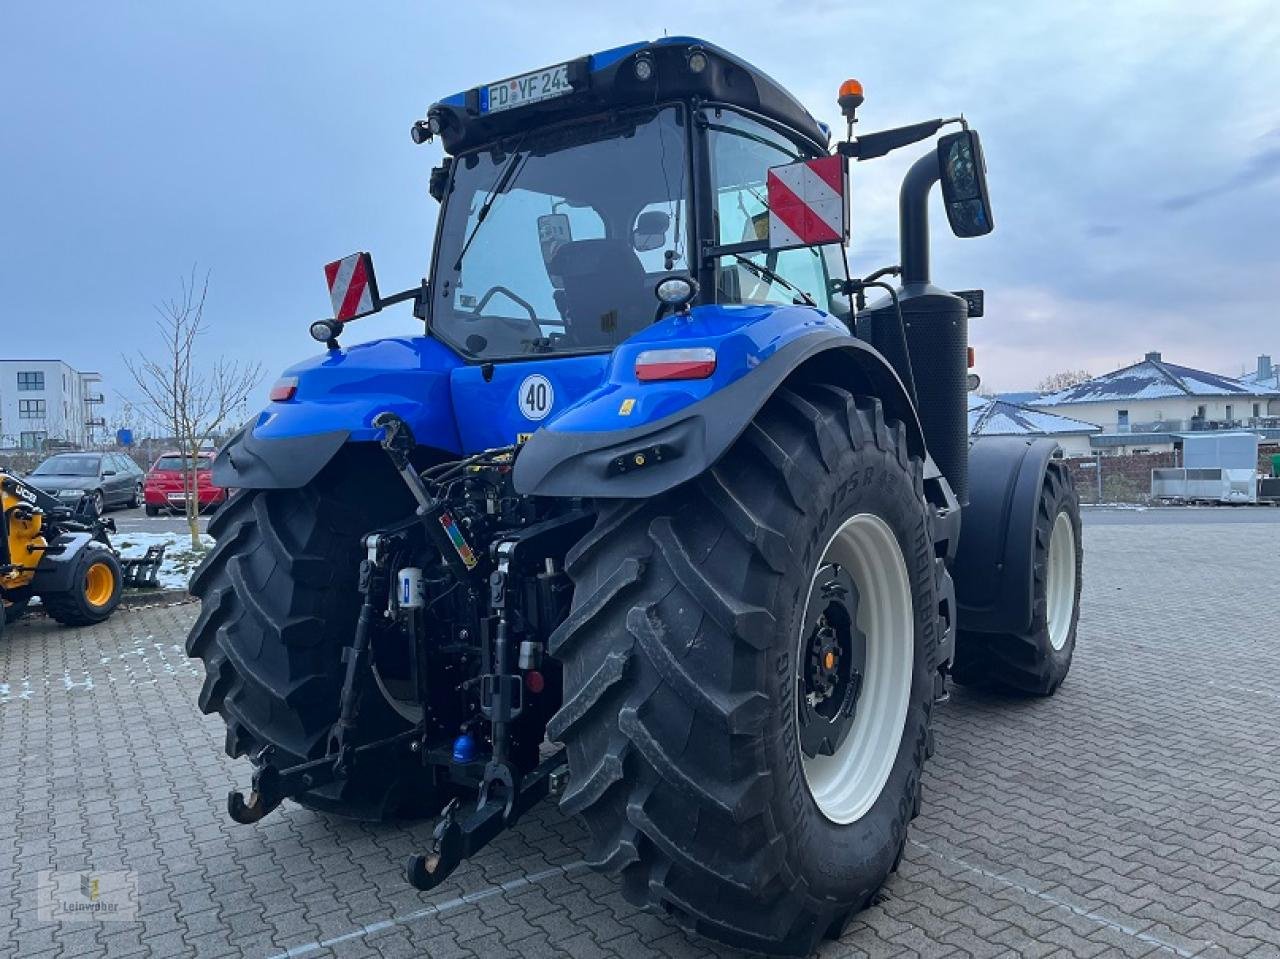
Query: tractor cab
573, 192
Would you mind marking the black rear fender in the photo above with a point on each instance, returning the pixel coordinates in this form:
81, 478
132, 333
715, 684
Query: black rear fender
247, 461
993, 566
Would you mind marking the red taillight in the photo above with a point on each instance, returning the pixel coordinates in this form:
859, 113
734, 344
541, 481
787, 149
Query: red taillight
693, 363
284, 389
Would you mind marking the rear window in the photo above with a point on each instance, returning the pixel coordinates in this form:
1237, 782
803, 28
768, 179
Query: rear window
176, 463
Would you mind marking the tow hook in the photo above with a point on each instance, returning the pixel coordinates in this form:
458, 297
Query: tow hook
455, 839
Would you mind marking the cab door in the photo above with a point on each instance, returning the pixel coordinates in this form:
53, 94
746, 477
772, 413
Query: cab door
738, 151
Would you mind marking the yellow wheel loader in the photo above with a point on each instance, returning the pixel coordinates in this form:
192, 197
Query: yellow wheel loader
61, 555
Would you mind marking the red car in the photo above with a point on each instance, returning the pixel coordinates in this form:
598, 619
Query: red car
163, 489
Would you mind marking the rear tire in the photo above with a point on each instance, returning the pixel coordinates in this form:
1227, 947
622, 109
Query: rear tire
683, 684
137, 497
95, 591
1036, 662
152, 510
278, 604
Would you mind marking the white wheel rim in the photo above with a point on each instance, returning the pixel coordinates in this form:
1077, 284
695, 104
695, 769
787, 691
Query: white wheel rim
846, 784
1060, 580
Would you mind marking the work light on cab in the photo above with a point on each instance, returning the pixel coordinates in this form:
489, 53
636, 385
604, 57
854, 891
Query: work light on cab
325, 331
676, 291
690, 363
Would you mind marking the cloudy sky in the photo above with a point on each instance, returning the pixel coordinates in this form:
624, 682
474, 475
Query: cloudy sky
1133, 153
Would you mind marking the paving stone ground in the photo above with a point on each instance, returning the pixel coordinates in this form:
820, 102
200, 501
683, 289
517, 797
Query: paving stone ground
1136, 813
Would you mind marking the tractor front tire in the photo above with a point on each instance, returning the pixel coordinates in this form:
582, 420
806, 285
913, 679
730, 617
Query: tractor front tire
688, 658
1036, 662
279, 601
96, 584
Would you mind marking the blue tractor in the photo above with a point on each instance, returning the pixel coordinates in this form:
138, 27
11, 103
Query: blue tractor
657, 514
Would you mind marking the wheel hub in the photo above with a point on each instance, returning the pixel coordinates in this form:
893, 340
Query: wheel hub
831, 681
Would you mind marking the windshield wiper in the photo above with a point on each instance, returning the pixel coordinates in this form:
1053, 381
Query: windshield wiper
764, 273
500, 186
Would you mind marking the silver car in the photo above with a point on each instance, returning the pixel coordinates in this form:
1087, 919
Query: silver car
109, 479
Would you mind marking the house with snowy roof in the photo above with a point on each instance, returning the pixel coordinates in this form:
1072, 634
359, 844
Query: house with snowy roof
994, 416
1145, 407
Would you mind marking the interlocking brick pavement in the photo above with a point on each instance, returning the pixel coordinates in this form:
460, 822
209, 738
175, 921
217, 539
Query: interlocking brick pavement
1136, 813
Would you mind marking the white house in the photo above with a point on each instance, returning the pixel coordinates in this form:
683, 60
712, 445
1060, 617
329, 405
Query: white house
997, 417
44, 400
1143, 407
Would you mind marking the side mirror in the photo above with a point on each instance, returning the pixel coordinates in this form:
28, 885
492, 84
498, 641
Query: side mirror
964, 184
554, 231
808, 203
650, 230
353, 288
440, 179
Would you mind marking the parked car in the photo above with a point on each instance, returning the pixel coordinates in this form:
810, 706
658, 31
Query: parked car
164, 487
110, 479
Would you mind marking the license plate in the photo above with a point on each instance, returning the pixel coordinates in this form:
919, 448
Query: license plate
70, 492
177, 497
525, 89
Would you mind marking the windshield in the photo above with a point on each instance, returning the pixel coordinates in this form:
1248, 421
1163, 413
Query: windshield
68, 466
175, 462
554, 241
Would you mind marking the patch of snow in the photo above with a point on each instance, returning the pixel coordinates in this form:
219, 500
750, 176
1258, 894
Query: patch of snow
180, 560
141, 664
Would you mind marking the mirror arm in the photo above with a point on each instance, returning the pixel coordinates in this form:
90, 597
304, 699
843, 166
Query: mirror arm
416, 293
873, 145
913, 218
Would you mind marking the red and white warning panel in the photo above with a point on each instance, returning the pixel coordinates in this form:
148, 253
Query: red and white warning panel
808, 203
352, 286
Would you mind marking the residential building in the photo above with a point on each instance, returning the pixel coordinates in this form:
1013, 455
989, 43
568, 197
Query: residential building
993, 416
1144, 407
1265, 374
45, 401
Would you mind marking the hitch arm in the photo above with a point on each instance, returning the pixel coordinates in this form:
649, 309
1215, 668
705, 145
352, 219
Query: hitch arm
272, 785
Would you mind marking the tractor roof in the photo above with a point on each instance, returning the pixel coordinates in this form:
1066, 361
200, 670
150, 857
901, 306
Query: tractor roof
605, 80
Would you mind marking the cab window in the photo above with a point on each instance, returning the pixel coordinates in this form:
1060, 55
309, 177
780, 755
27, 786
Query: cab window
742, 150
514, 274
553, 241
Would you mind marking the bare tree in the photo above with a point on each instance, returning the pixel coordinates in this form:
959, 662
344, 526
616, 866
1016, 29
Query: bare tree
193, 401
1064, 380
